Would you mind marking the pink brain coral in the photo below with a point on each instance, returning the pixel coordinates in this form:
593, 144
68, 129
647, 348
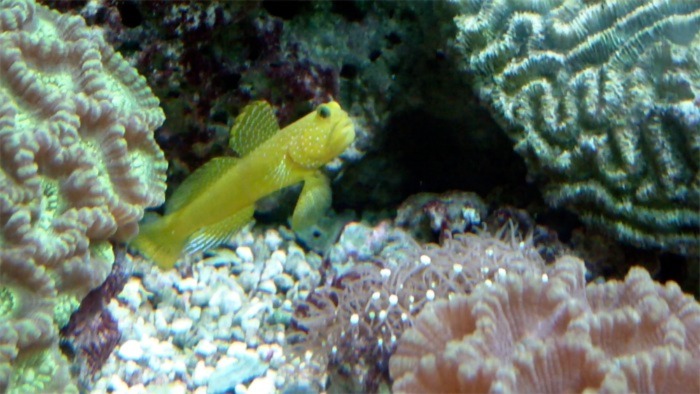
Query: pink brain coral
549, 332
78, 166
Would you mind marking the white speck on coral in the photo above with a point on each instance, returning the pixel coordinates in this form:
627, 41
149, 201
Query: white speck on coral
380, 342
485, 270
404, 317
488, 283
376, 295
385, 273
393, 299
425, 259
489, 252
545, 278
382, 315
354, 319
457, 268
501, 275
430, 295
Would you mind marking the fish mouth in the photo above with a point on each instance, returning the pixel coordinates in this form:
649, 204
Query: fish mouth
343, 134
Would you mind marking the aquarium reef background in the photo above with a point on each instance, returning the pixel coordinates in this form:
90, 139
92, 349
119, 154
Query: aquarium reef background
523, 191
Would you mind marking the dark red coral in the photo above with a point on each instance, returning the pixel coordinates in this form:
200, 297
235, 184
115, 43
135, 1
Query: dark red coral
92, 332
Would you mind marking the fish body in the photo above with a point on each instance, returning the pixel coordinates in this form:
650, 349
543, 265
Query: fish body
218, 199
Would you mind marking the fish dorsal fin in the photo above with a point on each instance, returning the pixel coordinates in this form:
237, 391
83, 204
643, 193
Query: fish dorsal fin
198, 181
219, 232
255, 124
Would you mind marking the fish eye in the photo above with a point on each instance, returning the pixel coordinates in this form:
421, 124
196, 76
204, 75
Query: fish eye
324, 111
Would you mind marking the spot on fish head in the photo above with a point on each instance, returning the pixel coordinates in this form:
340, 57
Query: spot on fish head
322, 135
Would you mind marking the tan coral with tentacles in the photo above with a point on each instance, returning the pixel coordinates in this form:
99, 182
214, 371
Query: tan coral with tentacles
549, 332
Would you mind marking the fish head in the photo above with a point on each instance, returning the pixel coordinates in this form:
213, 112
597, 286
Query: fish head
321, 136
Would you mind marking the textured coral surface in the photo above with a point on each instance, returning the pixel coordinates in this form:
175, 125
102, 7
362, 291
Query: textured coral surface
602, 98
78, 165
549, 332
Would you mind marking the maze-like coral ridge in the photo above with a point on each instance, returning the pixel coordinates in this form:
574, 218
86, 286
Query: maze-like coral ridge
602, 98
78, 166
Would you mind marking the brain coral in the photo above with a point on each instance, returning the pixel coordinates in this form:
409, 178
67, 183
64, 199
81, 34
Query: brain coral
78, 165
602, 98
550, 333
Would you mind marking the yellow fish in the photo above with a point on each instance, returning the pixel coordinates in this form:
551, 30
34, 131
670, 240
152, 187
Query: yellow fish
218, 199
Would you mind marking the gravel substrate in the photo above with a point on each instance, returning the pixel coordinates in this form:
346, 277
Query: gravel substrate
215, 324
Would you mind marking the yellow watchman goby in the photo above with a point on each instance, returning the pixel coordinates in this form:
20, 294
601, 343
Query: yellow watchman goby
219, 198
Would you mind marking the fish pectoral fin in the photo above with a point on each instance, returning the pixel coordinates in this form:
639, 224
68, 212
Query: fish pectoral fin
255, 124
314, 201
219, 232
198, 181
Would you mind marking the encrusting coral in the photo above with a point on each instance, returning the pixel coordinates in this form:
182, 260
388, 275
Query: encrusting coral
602, 99
78, 165
548, 332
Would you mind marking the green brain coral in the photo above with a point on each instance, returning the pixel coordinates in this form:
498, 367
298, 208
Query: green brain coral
79, 166
602, 99
8, 302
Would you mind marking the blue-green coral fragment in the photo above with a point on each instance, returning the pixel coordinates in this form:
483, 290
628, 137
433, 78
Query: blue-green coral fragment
602, 98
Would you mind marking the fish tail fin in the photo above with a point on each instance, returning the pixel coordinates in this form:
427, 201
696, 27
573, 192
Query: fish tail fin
158, 242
